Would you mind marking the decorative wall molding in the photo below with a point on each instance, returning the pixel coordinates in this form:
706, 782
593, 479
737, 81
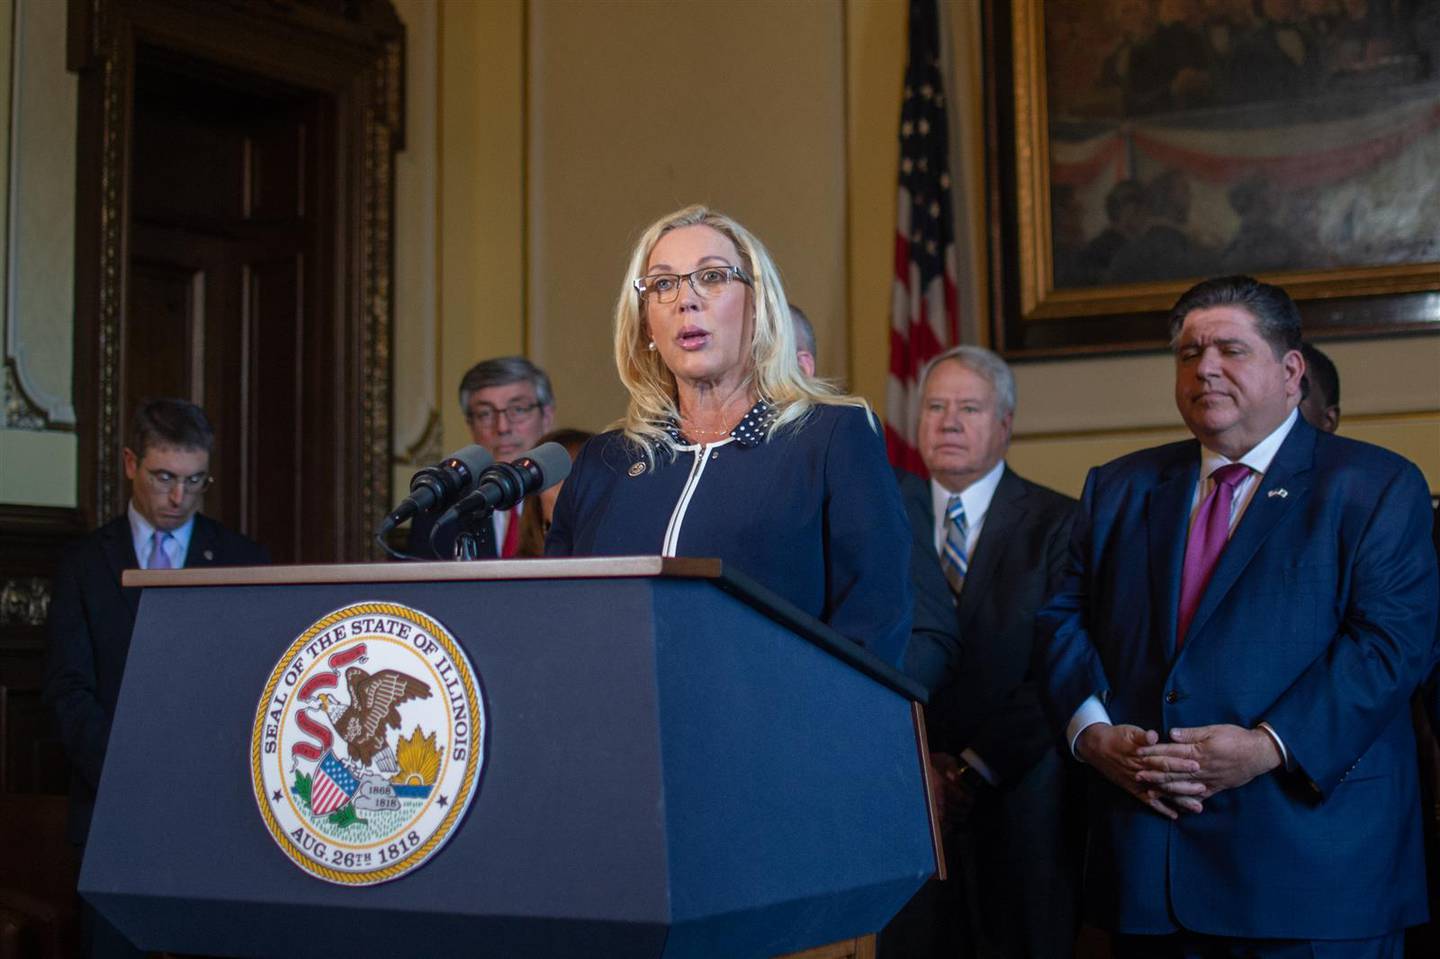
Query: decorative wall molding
24, 601
19, 412
116, 71
384, 123
426, 449
32, 539
38, 208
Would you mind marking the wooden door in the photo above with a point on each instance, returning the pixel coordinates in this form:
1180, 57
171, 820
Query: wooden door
225, 261
233, 246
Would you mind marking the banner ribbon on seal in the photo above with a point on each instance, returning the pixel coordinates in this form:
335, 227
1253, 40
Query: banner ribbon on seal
310, 695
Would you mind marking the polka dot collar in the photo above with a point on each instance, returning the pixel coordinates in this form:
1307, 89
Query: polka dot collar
749, 432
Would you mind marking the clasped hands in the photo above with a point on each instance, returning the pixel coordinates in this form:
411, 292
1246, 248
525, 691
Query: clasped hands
1180, 775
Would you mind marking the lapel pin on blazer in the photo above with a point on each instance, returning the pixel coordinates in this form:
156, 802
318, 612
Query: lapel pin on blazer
209, 555
1281, 492
637, 469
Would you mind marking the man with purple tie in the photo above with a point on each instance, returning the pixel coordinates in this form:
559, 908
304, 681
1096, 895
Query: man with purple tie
167, 462
1242, 623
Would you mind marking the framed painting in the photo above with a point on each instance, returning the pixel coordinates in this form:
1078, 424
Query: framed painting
1136, 146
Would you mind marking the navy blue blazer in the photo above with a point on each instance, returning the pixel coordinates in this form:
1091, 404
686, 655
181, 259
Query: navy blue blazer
91, 618
812, 513
1319, 620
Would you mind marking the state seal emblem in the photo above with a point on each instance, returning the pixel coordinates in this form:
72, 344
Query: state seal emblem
368, 744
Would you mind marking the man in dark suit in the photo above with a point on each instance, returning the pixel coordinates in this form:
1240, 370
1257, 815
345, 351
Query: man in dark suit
805, 350
167, 462
989, 546
1320, 390
1243, 621
508, 404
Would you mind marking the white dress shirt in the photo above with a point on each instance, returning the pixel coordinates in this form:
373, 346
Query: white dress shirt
975, 498
142, 534
1093, 711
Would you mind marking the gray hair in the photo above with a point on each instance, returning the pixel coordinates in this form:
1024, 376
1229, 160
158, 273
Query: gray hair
502, 371
986, 363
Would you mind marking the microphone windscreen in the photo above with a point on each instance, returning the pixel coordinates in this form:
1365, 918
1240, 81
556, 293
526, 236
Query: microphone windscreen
553, 461
476, 459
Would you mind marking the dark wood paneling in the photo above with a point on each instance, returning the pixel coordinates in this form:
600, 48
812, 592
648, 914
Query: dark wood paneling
31, 541
38, 918
185, 165
276, 322
170, 297
276, 155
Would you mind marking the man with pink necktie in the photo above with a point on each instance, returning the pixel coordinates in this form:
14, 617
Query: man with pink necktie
167, 463
1232, 653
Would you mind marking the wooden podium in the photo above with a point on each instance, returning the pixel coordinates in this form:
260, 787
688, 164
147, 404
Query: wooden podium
677, 763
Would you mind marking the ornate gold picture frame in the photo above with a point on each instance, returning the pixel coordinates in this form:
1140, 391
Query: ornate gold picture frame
1137, 146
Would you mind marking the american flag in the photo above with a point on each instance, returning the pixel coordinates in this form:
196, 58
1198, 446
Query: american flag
924, 316
332, 786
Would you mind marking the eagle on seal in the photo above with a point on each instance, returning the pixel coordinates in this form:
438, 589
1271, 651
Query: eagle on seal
374, 699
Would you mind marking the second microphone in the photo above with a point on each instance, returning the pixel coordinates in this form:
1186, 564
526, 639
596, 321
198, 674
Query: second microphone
503, 485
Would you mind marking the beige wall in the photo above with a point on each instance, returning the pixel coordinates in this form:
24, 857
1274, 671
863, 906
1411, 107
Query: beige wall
460, 214
552, 158
543, 135
631, 116
416, 354
558, 138
875, 56
1079, 413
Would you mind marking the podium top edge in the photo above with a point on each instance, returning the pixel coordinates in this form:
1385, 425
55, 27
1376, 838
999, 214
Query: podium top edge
586, 567
589, 567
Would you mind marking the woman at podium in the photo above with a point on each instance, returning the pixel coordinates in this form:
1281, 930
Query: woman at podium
727, 449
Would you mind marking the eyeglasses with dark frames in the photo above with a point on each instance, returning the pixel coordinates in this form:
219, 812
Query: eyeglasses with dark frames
165, 481
708, 281
487, 416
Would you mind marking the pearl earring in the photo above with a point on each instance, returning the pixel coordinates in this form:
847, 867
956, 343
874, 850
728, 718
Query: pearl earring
652, 345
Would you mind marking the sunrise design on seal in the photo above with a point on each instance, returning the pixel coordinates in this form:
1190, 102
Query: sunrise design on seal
368, 744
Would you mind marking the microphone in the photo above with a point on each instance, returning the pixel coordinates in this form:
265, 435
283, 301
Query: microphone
440, 485
505, 484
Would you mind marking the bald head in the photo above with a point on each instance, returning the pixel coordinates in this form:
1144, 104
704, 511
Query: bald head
804, 340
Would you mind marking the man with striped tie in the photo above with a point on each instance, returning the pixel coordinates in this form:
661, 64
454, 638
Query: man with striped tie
992, 543
167, 462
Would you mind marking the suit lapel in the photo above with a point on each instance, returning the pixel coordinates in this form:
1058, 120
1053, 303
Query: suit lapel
1006, 510
1167, 518
203, 540
1289, 471
119, 550
919, 510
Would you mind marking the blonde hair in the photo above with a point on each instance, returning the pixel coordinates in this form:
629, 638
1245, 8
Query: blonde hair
776, 376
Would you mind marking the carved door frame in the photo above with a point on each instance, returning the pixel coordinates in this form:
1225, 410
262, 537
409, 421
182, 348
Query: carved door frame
350, 50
